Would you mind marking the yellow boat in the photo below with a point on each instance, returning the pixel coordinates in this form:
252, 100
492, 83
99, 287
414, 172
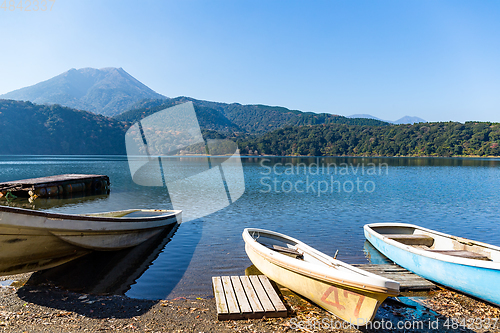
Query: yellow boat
350, 293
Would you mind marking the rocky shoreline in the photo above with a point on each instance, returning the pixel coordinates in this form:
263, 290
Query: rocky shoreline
45, 308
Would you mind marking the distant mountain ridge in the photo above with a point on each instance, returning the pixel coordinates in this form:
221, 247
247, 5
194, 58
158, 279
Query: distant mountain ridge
235, 117
409, 120
107, 91
115, 93
367, 116
403, 120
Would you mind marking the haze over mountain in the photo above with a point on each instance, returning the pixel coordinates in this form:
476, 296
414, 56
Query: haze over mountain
112, 91
403, 120
409, 120
107, 91
366, 116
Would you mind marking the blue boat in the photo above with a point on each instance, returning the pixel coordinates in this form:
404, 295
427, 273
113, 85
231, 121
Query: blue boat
464, 265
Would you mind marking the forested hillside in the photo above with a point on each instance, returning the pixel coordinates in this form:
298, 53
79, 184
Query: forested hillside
252, 119
422, 139
39, 129
208, 118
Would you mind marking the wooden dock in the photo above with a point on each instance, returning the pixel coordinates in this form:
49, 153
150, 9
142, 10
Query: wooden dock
246, 297
408, 281
55, 185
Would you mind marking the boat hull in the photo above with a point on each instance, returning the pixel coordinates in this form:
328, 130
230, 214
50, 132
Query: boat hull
31, 250
33, 240
480, 282
354, 306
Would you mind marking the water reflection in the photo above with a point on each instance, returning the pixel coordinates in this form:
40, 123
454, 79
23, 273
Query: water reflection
106, 272
374, 256
390, 161
56, 201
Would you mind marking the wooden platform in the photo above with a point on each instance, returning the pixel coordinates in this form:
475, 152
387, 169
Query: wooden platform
246, 297
55, 185
408, 281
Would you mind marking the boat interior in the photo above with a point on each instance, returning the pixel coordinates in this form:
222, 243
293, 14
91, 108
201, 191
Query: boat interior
289, 248
134, 213
437, 243
296, 250
277, 244
303, 253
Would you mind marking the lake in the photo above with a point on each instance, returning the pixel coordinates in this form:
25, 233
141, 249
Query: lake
323, 202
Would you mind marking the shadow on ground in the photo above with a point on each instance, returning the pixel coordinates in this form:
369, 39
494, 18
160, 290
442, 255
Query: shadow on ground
94, 285
92, 306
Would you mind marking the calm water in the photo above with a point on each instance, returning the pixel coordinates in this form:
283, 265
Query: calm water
312, 201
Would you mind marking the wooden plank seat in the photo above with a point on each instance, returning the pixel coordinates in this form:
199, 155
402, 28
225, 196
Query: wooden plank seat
410, 239
463, 254
285, 250
288, 251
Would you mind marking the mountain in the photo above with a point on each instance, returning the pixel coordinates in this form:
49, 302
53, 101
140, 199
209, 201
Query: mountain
409, 120
31, 129
107, 91
252, 119
367, 116
404, 120
112, 91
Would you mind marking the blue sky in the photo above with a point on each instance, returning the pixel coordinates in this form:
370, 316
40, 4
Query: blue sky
438, 60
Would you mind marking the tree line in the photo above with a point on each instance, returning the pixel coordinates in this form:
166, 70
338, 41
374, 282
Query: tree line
52, 129
421, 139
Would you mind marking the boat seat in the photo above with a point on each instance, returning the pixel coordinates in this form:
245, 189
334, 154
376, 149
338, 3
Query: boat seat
463, 254
422, 247
409, 239
285, 250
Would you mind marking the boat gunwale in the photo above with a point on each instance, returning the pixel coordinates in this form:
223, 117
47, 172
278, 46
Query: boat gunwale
78, 217
289, 264
434, 255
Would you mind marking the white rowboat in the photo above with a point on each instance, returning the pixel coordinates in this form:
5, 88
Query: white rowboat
31, 240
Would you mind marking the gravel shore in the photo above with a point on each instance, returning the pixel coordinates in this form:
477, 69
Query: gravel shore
45, 308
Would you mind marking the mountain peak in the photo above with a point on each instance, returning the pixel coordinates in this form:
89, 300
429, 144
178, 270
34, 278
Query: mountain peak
409, 120
403, 120
108, 91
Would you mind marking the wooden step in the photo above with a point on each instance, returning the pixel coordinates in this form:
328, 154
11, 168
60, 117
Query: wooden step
246, 297
407, 280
